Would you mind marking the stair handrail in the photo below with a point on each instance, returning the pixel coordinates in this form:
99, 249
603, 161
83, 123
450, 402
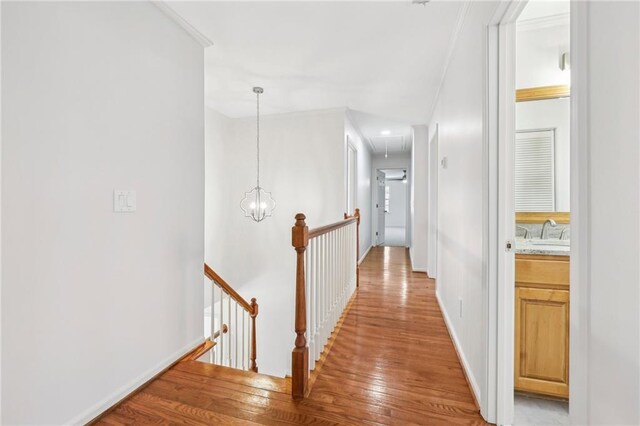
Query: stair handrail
300, 237
250, 307
213, 276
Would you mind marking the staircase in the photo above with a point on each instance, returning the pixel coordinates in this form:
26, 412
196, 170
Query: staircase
387, 360
219, 383
231, 325
327, 275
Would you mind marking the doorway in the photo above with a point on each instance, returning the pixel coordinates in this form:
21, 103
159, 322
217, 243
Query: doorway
392, 202
528, 209
434, 167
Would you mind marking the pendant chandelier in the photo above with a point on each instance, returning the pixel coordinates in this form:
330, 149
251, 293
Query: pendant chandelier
257, 203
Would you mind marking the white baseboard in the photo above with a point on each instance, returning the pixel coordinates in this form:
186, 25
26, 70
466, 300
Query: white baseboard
365, 254
415, 268
465, 364
121, 393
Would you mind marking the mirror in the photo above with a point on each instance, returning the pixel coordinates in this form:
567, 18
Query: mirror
542, 153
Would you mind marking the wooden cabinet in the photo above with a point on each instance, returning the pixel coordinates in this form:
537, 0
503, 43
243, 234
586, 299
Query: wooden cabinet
542, 325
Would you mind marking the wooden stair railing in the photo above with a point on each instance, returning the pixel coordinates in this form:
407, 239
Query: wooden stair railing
236, 345
326, 277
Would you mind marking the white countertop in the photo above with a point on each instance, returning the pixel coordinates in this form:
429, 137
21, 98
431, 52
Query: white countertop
550, 247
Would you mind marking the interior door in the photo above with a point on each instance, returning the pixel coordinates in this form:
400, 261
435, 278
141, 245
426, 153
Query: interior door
381, 181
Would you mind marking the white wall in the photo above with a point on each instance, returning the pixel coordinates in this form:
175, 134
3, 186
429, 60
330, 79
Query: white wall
302, 165
97, 96
397, 216
364, 159
420, 198
538, 53
613, 348
551, 114
459, 116
217, 130
395, 160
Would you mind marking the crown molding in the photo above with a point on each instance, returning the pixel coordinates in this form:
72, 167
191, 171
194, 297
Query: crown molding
175, 17
355, 125
558, 20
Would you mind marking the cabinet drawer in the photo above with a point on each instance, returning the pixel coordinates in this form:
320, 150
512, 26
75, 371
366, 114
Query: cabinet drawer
539, 271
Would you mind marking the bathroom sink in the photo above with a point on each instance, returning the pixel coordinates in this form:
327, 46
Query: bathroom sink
551, 242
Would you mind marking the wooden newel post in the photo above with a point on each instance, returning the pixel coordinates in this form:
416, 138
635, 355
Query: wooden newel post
357, 215
254, 314
300, 355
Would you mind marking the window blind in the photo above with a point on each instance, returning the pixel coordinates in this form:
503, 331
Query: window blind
534, 171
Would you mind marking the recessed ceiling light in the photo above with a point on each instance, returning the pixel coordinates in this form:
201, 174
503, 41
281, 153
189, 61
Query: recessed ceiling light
385, 132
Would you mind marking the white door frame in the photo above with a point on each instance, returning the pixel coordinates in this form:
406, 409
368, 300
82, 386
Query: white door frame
434, 171
499, 229
351, 148
378, 203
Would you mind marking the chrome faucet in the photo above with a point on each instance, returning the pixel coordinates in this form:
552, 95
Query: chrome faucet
551, 222
565, 232
527, 234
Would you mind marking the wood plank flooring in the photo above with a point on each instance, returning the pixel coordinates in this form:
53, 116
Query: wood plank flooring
392, 363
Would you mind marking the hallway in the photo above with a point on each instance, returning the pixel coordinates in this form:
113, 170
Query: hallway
392, 363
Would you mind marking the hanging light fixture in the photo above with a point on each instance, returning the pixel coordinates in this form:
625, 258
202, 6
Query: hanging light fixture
257, 203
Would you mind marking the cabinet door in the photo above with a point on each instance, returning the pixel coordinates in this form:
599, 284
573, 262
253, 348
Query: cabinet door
542, 341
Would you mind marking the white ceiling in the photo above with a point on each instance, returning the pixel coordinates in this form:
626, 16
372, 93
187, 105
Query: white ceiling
536, 9
382, 133
383, 58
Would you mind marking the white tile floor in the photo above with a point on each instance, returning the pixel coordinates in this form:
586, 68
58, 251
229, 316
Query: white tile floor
530, 411
394, 236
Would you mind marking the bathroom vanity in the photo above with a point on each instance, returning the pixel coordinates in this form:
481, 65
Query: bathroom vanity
542, 318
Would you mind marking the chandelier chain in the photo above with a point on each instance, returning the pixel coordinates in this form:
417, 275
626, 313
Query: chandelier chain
258, 139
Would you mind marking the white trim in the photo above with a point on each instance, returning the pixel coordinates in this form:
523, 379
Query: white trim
413, 267
356, 126
500, 295
580, 280
432, 207
350, 146
499, 226
456, 342
125, 390
183, 23
365, 254
0, 211
558, 20
291, 113
453, 42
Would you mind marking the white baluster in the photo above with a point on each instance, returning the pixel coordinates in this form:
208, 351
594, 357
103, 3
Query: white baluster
221, 336
230, 330
307, 290
325, 290
316, 312
309, 265
212, 354
243, 339
236, 335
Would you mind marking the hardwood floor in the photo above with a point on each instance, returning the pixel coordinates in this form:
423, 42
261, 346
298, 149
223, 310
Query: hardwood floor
392, 363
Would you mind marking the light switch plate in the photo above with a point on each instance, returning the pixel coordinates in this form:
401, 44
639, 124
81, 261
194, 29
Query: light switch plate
124, 200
